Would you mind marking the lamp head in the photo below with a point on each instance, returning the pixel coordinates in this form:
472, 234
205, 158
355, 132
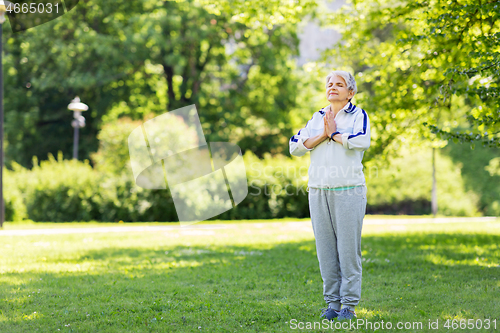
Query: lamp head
77, 106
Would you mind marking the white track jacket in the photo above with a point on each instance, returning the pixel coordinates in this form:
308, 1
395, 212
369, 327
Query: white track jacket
333, 164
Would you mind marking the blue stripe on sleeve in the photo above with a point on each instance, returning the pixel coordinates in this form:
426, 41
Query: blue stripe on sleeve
365, 120
294, 139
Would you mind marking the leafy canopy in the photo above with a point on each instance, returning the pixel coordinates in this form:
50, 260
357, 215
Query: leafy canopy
233, 59
426, 69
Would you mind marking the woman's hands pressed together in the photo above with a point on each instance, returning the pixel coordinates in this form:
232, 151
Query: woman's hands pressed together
329, 128
330, 125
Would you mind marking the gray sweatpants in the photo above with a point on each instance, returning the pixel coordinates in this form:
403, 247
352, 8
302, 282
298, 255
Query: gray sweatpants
337, 219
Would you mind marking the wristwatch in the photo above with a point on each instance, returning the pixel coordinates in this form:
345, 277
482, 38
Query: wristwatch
331, 136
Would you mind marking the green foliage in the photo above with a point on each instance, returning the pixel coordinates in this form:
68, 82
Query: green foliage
493, 167
122, 200
67, 189
132, 58
243, 278
261, 13
56, 190
15, 209
277, 187
424, 63
404, 185
112, 156
476, 166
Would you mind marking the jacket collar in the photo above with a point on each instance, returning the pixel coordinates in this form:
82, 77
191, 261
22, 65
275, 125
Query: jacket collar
348, 108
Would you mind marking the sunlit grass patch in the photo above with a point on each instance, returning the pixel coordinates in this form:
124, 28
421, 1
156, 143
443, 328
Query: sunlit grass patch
240, 278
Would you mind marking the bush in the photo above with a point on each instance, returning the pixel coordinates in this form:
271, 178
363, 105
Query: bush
277, 187
113, 155
404, 187
15, 209
68, 190
123, 200
59, 191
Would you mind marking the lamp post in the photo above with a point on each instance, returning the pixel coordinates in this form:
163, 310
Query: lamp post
77, 107
3, 10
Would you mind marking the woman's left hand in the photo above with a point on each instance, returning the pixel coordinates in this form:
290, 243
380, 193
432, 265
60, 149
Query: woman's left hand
330, 125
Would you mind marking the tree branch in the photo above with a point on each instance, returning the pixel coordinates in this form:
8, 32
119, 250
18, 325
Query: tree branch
169, 74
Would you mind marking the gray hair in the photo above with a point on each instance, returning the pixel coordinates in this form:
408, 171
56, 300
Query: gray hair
348, 78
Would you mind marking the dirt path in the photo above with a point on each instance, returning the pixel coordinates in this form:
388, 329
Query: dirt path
176, 226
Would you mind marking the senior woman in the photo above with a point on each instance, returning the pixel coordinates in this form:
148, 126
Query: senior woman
337, 137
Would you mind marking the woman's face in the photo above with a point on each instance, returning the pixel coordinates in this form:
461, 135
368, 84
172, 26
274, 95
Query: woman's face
336, 90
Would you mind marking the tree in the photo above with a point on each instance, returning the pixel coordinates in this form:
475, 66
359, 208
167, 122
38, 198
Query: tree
428, 69
234, 60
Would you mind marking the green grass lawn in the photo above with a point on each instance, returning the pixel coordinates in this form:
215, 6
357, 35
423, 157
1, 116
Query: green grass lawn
244, 278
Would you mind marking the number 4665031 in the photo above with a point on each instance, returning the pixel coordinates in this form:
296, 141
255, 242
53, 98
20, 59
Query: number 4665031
463, 324
32, 8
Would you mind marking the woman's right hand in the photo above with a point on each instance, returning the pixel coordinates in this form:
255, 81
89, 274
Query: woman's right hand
325, 128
